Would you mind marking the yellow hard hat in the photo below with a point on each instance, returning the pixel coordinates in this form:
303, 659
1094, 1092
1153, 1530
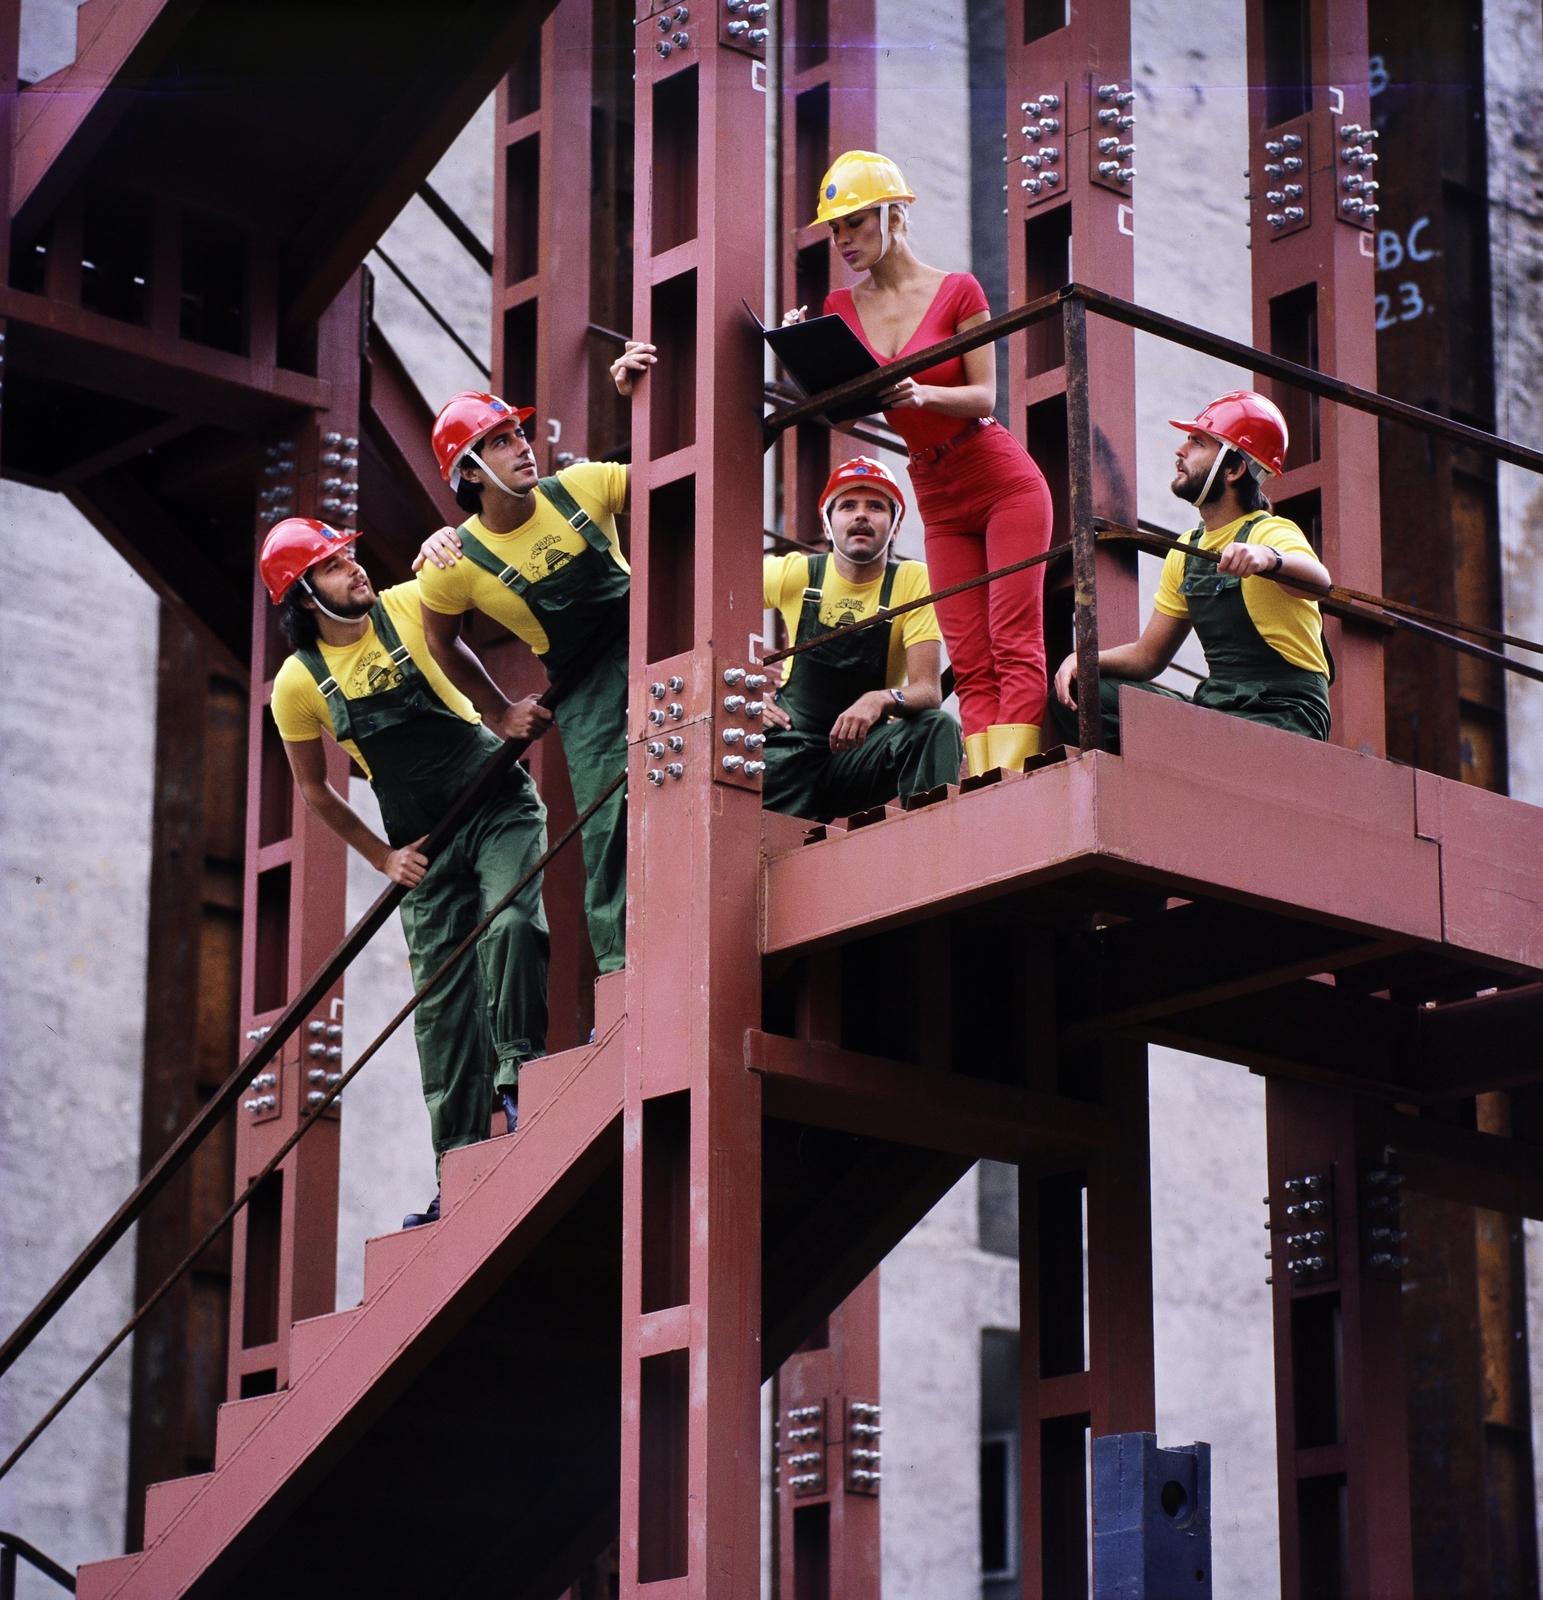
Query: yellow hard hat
857, 180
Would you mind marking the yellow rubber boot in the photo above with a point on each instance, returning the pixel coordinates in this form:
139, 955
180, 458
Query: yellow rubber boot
1010, 744
975, 761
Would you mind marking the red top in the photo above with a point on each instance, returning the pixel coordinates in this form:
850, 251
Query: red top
959, 296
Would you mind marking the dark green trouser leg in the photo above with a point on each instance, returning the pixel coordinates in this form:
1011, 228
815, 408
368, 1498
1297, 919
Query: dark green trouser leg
794, 763
1109, 704
488, 1014
1297, 706
904, 756
593, 723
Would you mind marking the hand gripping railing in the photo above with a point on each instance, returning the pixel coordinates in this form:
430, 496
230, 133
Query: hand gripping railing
11, 1546
1072, 303
229, 1092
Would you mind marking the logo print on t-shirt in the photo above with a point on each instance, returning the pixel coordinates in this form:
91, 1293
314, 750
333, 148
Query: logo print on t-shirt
847, 611
375, 674
556, 558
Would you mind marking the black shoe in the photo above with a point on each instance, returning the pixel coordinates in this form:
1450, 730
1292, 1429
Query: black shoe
510, 1099
416, 1219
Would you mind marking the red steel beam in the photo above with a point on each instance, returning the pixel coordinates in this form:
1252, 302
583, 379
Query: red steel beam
827, 1511
1344, 1492
64, 120
284, 1259
1312, 302
811, 1081
691, 1368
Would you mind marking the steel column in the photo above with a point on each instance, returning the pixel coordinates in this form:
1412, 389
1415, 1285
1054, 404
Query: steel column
690, 1509
284, 1256
1312, 299
1341, 1422
826, 1506
1069, 219
1069, 207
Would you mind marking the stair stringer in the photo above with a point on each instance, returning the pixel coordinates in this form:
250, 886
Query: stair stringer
499, 1219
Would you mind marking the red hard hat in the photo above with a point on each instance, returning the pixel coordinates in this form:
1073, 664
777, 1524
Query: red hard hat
295, 546
464, 420
868, 473
1248, 421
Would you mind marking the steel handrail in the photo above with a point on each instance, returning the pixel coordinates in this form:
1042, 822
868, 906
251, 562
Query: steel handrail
309, 1120
871, 384
13, 1545
1334, 598
290, 1019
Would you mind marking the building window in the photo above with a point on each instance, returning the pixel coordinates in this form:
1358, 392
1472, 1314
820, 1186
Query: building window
997, 1208
1001, 1492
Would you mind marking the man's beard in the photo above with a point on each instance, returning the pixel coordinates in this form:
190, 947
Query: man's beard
346, 610
1190, 489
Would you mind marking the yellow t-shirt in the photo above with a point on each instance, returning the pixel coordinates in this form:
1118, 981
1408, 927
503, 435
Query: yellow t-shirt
1289, 623
537, 549
786, 577
300, 708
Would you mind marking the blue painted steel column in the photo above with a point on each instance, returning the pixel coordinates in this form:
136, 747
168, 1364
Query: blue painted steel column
1151, 1519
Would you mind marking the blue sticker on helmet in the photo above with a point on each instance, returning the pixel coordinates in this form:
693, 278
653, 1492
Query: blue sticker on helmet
830, 191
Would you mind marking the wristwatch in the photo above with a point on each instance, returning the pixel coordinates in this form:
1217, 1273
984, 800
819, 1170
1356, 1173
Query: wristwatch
899, 695
1280, 561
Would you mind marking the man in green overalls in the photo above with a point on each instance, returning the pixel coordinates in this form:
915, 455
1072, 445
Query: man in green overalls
362, 673
542, 557
1264, 649
856, 721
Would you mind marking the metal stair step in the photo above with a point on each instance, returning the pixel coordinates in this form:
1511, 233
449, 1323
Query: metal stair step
386, 1255
610, 1002
313, 1337
236, 1419
96, 1580
462, 1169
164, 1500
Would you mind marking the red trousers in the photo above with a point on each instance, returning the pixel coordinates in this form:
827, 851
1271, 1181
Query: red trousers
986, 505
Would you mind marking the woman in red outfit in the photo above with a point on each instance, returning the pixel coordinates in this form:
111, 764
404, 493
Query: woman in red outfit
982, 499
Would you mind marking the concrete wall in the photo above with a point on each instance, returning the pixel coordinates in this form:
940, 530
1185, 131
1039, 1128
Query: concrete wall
1513, 69
1191, 248
77, 751
937, 1290
439, 265
387, 1158
1513, 73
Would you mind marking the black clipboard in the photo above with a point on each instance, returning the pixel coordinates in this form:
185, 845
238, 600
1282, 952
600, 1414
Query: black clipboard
820, 354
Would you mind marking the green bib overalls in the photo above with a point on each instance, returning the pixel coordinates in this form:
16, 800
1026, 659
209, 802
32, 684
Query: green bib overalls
570, 603
1246, 675
485, 1017
904, 755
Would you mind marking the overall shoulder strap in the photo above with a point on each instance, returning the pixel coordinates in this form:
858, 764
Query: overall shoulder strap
391, 640
331, 690
479, 554
574, 514
816, 581
1246, 532
891, 572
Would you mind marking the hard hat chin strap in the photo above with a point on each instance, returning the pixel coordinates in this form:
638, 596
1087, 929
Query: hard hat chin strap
883, 227
1223, 450
476, 460
320, 604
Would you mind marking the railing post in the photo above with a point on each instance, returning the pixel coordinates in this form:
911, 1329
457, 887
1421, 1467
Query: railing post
7, 1572
1079, 461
